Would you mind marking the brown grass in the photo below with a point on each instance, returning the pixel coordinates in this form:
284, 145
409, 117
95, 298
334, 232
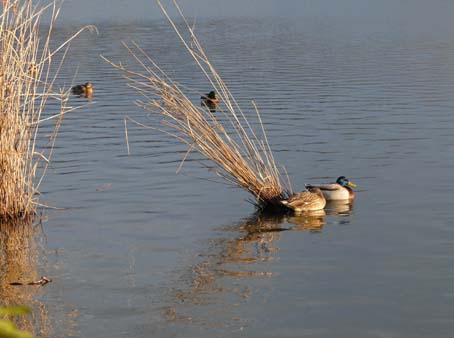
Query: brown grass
27, 79
242, 156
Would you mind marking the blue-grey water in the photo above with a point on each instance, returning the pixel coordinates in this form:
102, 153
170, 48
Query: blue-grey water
142, 252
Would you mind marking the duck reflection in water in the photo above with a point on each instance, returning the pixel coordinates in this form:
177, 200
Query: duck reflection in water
309, 220
342, 210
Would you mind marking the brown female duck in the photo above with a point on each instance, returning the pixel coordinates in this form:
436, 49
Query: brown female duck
83, 90
309, 200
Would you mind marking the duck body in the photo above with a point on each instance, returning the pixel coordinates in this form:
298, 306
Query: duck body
341, 190
310, 200
85, 90
210, 98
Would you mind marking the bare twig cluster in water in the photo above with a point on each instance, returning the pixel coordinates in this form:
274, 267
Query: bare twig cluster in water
26, 89
241, 155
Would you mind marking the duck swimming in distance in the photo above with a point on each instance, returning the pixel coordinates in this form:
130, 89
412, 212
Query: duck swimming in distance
83, 90
210, 98
310, 200
341, 190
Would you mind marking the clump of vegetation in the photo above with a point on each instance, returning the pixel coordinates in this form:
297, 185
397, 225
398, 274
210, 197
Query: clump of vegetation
28, 100
242, 156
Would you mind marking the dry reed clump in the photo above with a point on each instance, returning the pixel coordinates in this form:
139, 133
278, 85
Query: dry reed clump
241, 155
26, 93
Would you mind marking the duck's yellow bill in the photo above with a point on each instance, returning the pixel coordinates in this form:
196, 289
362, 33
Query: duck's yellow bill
351, 184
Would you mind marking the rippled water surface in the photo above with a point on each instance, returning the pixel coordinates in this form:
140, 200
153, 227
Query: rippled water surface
143, 252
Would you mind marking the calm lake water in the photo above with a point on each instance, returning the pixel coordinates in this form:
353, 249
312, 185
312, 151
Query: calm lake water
143, 252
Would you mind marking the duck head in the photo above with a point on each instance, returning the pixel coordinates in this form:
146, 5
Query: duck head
212, 95
345, 182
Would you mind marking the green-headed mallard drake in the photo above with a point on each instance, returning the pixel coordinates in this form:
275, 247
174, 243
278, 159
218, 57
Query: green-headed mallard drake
210, 98
341, 190
85, 90
310, 200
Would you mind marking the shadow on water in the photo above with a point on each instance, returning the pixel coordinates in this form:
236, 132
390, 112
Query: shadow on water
246, 250
21, 249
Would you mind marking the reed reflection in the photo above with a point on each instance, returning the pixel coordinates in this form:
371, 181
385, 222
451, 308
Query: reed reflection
18, 264
247, 249
232, 256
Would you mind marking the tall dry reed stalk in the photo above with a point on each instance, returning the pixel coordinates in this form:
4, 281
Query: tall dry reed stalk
242, 156
27, 90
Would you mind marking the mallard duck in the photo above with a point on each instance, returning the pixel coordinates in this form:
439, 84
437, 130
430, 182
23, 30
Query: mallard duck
85, 90
341, 190
310, 200
210, 98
